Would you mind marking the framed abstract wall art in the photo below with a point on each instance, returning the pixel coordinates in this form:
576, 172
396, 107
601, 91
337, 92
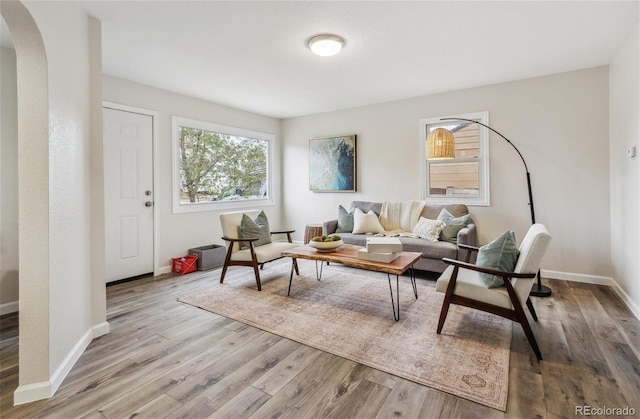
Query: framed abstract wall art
332, 164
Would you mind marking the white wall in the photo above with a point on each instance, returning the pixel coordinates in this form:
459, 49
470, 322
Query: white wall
625, 173
179, 232
559, 123
8, 182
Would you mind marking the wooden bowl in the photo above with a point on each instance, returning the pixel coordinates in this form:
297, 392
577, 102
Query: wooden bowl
326, 246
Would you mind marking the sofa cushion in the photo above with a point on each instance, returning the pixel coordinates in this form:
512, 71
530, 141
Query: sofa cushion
432, 250
345, 220
367, 206
452, 225
366, 223
428, 229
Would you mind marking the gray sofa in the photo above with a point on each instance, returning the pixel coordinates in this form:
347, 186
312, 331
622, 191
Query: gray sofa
432, 252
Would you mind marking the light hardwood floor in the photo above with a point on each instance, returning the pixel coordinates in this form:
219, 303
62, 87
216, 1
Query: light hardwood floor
168, 359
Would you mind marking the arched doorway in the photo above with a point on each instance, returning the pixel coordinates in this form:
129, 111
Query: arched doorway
33, 220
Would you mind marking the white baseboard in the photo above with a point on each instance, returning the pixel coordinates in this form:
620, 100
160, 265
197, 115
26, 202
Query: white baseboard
7, 308
570, 276
635, 309
598, 280
100, 330
164, 270
28, 393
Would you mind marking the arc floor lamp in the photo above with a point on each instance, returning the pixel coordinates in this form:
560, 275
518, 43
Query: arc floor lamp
443, 143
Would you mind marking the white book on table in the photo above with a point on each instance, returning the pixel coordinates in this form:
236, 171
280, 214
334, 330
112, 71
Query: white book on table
377, 257
384, 244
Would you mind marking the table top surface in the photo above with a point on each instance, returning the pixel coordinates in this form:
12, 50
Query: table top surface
347, 254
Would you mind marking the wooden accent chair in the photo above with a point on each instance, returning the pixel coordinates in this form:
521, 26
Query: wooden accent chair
253, 256
462, 285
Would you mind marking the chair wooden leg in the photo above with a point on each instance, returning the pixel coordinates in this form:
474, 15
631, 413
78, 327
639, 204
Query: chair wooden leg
224, 272
227, 259
443, 314
532, 310
522, 319
257, 272
448, 296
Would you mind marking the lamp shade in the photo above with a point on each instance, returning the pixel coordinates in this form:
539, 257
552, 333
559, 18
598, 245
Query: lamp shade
441, 145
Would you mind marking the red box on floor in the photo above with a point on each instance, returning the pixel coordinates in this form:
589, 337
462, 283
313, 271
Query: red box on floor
185, 264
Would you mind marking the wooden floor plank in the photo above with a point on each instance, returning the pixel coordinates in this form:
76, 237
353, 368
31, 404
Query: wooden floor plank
625, 367
364, 401
128, 403
601, 325
405, 400
526, 395
285, 371
204, 380
156, 408
438, 404
243, 405
218, 394
334, 391
287, 402
566, 387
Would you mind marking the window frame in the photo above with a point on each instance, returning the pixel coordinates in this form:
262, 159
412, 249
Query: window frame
483, 198
178, 208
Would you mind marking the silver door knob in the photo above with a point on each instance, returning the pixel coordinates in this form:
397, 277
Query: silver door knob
148, 204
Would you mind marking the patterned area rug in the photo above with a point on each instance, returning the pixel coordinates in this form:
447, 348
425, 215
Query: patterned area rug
348, 313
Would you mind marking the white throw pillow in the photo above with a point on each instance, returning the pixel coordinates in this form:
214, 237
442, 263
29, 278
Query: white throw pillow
428, 229
366, 223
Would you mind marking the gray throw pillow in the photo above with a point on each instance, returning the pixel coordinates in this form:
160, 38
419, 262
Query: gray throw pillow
345, 220
452, 225
501, 254
258, 227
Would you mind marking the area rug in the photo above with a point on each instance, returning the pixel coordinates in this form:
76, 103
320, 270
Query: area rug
348, 313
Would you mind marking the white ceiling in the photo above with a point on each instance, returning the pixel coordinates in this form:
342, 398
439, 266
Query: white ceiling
253, 56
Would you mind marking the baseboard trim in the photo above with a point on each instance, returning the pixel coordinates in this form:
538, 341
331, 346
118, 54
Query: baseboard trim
598, 280
11, 307
100, 330
570, 276
28, 393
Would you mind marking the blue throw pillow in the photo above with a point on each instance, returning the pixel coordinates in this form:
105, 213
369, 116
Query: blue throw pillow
258, 227
345, 220
452, 225
501, 254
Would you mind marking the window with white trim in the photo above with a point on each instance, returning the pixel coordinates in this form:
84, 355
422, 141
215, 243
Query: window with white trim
465, 178
219, 167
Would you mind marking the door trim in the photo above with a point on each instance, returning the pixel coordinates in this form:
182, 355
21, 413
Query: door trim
154, 158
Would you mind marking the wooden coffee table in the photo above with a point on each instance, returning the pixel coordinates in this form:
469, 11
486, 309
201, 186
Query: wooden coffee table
348, 255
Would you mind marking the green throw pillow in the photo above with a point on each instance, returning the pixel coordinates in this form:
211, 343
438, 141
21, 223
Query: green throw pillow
258, 227
501, 254
345, 220
452, 225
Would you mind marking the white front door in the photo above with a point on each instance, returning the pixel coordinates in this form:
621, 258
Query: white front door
128, 184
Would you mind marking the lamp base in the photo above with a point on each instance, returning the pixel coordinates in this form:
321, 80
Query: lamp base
540, 291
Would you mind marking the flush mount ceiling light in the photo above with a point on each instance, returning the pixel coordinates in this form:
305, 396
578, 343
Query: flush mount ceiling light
326, 45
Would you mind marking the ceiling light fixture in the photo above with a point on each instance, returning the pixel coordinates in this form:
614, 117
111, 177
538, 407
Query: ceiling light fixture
326, 45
